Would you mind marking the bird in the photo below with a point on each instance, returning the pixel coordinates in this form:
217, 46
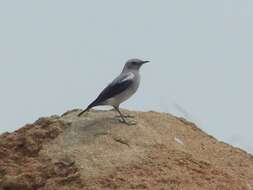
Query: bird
121, 88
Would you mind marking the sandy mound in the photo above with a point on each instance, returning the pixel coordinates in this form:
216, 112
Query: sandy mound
96, 151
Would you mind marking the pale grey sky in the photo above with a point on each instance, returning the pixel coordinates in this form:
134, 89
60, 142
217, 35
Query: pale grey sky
57, 55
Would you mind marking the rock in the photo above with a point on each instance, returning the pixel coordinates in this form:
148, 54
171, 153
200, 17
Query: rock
96, 151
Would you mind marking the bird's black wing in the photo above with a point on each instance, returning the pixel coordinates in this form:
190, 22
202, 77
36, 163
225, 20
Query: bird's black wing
116, 87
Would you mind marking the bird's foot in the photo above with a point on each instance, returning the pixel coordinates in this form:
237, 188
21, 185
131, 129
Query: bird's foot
129, 123
125, 116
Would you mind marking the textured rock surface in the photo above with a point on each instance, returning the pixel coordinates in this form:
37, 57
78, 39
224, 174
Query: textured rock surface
96, 151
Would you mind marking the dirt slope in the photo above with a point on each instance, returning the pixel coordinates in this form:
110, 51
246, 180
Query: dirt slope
96, 151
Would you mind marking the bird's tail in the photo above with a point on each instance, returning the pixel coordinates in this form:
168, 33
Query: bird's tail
87, 109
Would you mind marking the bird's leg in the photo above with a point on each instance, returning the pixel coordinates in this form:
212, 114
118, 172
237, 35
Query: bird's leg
122, 116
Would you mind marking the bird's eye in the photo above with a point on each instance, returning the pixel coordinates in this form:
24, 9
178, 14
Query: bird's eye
134, 63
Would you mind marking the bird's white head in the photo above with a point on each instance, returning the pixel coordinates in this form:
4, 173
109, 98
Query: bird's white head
134, 64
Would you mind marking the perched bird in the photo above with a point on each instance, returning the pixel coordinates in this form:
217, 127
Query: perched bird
121, 88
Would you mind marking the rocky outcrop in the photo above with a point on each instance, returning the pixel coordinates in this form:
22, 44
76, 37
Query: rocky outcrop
96, 151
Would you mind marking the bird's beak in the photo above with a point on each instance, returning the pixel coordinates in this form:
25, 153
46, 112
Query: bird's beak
145, 62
